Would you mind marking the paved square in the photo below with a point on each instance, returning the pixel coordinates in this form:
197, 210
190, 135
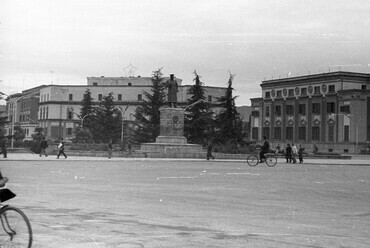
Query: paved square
165, 203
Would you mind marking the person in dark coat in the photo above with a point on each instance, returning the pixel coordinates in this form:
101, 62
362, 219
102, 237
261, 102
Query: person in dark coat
61, 149
209, 150
172, 86
129, 149
110, 148
288, 153
300, 154
43, 145
3, 146
265, 148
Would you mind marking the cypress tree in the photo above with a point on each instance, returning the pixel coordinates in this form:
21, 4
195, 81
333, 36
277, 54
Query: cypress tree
147, 115
198, 117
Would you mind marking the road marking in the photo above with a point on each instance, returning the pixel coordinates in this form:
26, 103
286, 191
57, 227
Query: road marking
241, 173
175, 178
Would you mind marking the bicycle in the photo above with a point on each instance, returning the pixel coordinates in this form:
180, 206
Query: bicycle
270, 159
16, 226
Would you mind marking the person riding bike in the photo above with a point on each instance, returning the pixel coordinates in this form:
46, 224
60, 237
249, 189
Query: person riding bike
264, 149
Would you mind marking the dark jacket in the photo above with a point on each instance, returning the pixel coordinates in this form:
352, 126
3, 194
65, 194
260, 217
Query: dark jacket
44, 144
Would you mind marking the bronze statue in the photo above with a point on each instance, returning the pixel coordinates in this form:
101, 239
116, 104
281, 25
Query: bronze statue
172, 86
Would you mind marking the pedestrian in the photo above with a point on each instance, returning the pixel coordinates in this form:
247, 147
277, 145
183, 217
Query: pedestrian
61, 148
265, 148
209, 150
277, 149
315, 149
110, 148
300, 154
129, 149
294, 153
3, 141
288, 153
43, 145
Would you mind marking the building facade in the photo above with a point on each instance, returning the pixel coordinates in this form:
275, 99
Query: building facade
56, 108
330, 110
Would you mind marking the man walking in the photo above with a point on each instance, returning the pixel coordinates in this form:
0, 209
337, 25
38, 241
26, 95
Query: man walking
61, 149
43, 145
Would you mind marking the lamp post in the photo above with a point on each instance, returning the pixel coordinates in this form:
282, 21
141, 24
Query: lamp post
122, 113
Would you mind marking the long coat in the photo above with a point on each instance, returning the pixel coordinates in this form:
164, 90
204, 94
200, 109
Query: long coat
172, 90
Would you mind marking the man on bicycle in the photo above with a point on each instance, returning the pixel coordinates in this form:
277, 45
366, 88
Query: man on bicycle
3, 180
264, 149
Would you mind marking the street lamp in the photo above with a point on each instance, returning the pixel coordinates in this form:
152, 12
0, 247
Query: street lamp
122, 112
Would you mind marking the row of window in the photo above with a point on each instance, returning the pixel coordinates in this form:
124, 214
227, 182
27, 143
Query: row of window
302, 133
119, 97
316, 109
316, 90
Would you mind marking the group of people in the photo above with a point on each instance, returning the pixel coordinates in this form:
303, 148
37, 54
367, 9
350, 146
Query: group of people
291, 152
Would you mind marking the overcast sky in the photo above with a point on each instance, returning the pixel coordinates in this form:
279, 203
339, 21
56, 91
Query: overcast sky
65, 41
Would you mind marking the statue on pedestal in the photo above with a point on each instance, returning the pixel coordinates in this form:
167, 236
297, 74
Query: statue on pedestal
172, 86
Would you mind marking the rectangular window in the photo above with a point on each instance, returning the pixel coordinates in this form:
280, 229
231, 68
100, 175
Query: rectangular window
255, 113
291, 92
277, 133
289, 133
330, 107
345, 109
69, 131
140, 97
278, 93
278, 110
302, 109
119, 97
331, 133
303, 91
266, 132
268, 94
331, 88
70, 97
302, 133
289, 109
346, 133
209, 98
316, 133
267, 113
363, 87
255, 133
316, 108
100, 97
316, 90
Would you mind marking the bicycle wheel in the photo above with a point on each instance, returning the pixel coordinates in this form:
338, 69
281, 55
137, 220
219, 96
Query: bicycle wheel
252, 160
271, 161
17, 230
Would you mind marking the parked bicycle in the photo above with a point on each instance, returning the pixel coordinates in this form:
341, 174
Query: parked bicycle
17, 230
254, 159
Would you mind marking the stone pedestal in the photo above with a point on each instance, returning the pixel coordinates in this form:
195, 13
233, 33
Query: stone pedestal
171, 142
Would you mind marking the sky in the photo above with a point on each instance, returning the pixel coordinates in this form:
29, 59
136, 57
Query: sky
66, 41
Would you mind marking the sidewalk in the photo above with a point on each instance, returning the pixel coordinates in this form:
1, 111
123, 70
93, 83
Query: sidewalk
356, 159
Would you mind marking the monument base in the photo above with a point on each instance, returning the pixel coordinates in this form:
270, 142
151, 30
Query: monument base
171, 142
172, 150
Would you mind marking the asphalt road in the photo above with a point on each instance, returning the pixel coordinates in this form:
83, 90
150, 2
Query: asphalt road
158, 203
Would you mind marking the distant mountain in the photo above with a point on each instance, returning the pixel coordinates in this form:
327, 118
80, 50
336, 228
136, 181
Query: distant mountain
245, 112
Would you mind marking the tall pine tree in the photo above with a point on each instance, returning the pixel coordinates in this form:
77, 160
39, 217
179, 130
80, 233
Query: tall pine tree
107, 121
228, 122
147, 115
198, 117
87, 109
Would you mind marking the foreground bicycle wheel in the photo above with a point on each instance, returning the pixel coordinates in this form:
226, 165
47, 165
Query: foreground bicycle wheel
17, 230
252, 160
271, 161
